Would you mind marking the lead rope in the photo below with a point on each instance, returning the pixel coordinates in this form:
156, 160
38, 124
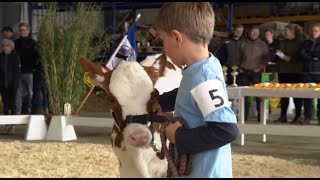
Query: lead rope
183, 164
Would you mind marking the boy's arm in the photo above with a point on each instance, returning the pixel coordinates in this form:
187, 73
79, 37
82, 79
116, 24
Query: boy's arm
211, 136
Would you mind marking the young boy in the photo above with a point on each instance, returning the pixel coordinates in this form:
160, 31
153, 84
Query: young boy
186, 30
9, 78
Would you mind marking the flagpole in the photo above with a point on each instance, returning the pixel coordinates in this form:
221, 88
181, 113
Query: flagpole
134, 22
132, 31
118, 48
123, 40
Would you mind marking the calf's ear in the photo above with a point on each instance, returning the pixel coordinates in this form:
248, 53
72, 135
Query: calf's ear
152, 73
91, 67
99, 75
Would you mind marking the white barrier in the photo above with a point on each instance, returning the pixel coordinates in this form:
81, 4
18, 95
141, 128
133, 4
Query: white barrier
238, 93
61, 128
37, 128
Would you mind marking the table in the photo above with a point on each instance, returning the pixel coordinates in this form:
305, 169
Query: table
239, 93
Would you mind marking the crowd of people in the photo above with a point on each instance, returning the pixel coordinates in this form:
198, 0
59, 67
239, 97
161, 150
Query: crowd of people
201, 100
295, 59
23, 90
22, 86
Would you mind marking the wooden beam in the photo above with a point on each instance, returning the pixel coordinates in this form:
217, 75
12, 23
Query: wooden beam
275, 18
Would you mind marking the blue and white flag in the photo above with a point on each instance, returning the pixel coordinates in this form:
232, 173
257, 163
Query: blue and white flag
126, 50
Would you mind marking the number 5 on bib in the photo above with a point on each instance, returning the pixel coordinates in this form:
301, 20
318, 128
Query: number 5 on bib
210, 96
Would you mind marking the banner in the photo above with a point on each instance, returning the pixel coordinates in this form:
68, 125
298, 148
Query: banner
126, 50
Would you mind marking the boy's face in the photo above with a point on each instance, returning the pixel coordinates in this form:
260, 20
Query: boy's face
170, 47
7, 49
268, 35
7, 34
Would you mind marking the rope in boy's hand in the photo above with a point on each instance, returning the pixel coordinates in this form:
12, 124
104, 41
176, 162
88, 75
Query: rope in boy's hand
182, 166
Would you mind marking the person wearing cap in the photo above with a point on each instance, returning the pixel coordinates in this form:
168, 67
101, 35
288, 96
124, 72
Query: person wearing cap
9, 78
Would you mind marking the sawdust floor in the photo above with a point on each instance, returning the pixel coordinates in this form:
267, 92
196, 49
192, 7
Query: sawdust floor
91, 154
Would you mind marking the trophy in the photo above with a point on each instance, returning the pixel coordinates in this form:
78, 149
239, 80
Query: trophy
225, 73
234, 74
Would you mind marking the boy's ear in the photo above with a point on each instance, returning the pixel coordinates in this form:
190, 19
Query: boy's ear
178, 36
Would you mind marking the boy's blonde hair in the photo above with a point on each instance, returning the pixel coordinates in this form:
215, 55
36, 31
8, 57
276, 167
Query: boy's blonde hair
195, 19
24, 24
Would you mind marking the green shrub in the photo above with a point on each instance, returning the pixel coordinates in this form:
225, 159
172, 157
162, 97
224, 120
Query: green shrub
60, 48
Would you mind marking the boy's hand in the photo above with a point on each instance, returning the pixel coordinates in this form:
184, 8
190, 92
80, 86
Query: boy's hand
287, 58
170, 131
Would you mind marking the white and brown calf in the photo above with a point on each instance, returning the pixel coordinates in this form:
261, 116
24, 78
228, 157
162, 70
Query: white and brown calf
130, 90
170, 75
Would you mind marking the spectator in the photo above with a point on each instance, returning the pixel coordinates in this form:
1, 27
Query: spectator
273, 45
253, 56
9, 75
289, 68
26, 49
39, 99
227, 52
310, 56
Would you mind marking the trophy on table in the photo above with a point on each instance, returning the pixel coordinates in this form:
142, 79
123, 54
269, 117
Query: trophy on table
225, 73
234, 74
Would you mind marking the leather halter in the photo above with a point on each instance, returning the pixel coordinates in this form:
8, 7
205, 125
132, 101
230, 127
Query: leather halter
146, 119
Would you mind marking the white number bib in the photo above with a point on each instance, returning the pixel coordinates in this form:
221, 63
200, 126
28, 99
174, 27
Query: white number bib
210, 96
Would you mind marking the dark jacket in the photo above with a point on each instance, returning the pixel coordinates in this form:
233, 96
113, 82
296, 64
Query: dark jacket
253, 54
227, 52
309, 52
9, 70
26, 49
290, 48
272, 49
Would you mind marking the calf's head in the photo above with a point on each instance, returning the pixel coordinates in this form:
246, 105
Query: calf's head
130, 92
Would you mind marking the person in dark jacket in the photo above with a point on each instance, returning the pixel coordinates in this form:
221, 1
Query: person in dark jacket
253, 56
9, 78
310, 56
289, 69
227, 52
273, 45
26, 49
40, 93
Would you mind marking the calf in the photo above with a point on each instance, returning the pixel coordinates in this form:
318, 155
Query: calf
130, 92
170, 75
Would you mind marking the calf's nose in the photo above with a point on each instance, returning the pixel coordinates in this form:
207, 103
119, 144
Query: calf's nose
139, 138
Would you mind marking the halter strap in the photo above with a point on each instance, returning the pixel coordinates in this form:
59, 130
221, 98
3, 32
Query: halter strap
144, 119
